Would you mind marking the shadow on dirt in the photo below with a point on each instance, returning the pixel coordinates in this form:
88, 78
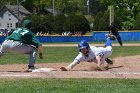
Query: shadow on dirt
15, 71
111, 67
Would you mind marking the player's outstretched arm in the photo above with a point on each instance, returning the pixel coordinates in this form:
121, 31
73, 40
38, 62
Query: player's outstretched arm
70, 66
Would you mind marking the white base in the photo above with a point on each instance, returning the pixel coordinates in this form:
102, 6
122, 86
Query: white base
44, 70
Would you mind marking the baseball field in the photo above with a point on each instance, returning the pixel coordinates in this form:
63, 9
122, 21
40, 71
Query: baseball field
122, 77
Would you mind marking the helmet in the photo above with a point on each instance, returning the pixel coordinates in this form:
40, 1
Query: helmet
83, 44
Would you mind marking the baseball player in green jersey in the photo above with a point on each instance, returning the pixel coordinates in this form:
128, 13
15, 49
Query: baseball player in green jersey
23, 41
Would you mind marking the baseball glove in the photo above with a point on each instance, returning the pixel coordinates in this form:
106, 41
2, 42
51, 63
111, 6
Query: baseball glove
40, 55
63, 69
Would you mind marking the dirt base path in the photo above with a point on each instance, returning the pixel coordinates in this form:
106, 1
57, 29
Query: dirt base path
124, 67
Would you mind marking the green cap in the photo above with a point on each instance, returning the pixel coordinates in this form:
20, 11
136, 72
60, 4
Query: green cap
27, 23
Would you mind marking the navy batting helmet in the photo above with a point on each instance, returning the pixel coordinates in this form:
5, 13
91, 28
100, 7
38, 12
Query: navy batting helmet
83, 44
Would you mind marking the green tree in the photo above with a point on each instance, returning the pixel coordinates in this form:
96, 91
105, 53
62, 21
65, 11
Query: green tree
104, 21
96, 22
137, 22
29, 6
126, 10
5, 2
42, 23
59, 23
101, 21
76, 23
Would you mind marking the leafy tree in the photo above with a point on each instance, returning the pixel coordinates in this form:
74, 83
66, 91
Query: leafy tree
76, 23
5, 2
59, 23
96, 25
137, 22
29, 6
41, 23
126, 10
104, 21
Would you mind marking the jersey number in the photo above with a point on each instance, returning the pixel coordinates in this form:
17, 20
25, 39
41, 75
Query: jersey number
25, 31
22, 33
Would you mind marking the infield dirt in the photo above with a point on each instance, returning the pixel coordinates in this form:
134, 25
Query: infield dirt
123, 67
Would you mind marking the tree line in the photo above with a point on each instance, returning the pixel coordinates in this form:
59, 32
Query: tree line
59, 24
74, 15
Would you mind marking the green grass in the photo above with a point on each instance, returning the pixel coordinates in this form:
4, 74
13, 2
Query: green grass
125, 51
64, 54
69, 86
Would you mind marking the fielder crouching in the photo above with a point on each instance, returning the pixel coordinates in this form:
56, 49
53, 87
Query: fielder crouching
88, 53
23, 41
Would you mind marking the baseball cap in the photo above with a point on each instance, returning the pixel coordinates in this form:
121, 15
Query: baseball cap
27, 23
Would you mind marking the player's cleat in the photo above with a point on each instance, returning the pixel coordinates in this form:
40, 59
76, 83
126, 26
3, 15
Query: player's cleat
109, 61
31, 68
112, 37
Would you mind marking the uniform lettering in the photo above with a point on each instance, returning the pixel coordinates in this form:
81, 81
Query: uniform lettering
22, 33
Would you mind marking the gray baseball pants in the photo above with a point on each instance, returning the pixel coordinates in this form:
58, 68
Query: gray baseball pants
19, 48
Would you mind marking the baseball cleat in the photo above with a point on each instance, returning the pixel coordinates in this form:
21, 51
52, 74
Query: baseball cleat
109, 61
31, 68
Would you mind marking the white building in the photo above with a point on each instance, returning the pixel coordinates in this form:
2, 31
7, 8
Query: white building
9, 16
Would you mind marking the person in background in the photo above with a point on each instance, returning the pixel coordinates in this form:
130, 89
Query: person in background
113, 29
